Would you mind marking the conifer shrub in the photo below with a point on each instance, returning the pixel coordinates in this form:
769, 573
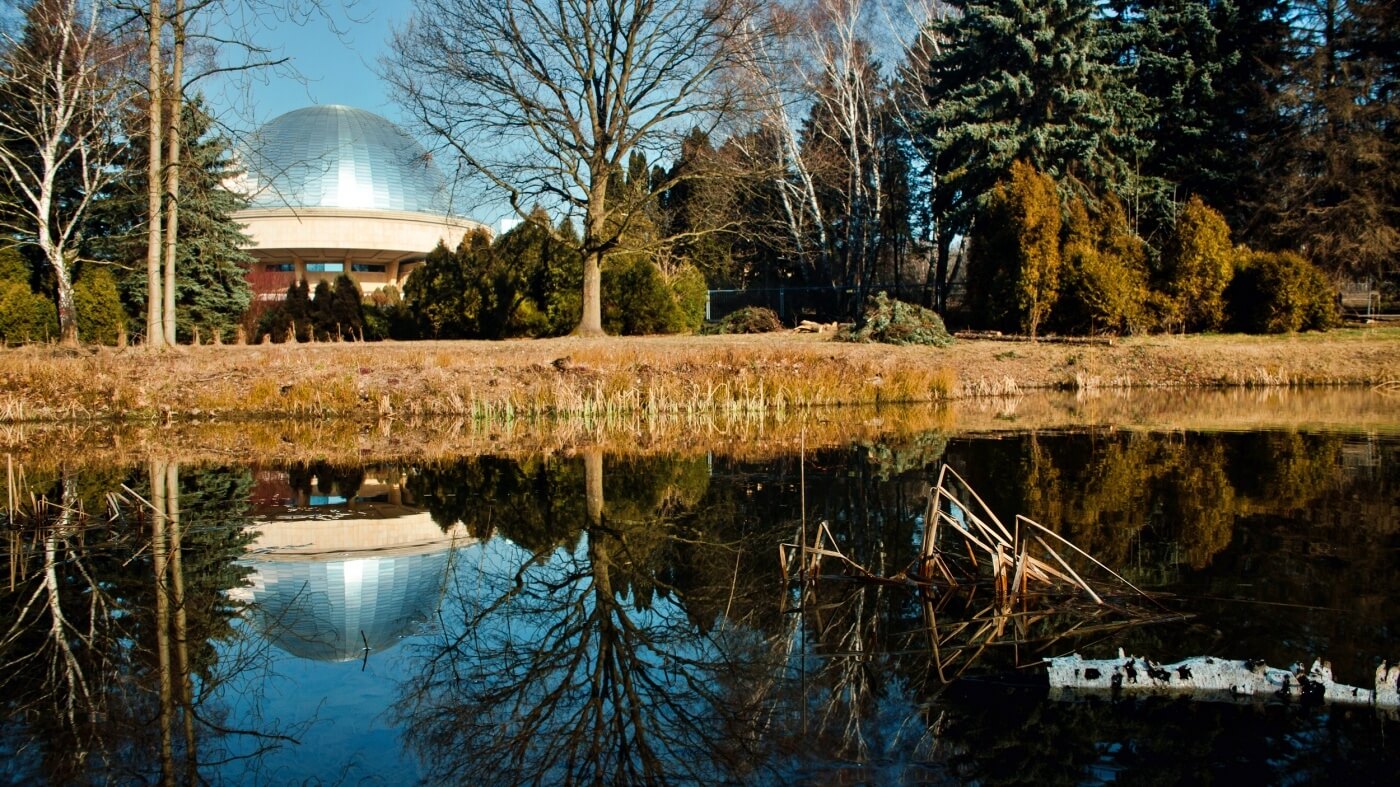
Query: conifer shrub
637, 299
1198, 262
1014, 278
1280, 292
25, 316
691, 292
749, 319
99, 307
1104, 282
889, 321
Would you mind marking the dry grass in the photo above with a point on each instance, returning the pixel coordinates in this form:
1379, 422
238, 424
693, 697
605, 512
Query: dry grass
600, 379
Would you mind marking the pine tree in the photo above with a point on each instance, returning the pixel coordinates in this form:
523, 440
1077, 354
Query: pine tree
212, 290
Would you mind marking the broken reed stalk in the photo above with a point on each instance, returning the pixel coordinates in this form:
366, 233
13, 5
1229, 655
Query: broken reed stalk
1009, 552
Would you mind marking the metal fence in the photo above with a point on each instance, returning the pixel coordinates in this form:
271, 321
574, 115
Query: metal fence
818, 304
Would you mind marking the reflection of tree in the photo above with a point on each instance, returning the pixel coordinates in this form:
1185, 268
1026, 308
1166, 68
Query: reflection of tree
106, 634
564, 671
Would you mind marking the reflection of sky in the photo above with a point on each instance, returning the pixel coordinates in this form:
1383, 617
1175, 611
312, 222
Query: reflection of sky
344, 704
348, 710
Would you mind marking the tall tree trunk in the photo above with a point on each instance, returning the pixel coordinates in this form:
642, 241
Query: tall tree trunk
172, 168
155, 329
590, 322
67, 311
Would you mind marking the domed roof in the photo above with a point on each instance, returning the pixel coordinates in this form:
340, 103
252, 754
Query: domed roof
333, 156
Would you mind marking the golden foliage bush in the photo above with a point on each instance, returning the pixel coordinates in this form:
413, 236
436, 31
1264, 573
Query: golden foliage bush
1280, 292
1104, 287
1198, 261
1015, 272
100, 316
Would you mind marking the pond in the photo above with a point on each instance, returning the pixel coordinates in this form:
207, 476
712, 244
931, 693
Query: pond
622, 616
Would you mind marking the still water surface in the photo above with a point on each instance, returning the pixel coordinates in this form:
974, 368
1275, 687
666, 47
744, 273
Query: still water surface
623, 618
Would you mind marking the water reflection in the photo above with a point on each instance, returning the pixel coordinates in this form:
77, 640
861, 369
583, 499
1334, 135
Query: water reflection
343, 564
606, 617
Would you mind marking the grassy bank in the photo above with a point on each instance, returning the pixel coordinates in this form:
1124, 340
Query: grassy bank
599, 379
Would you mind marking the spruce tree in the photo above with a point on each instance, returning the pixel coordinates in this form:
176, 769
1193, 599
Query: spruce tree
211, 287
1028, 80
1209, 72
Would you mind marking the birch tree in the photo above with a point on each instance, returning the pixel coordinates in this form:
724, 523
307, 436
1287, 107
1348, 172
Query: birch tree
60, 100
542, 102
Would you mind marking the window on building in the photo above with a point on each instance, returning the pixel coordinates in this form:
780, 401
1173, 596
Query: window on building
280, 267
365, 267
325, 267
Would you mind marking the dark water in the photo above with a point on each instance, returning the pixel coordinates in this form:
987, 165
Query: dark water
623, 618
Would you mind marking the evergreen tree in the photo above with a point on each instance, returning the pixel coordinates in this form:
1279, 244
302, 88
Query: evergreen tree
211, 288
100, 316
444, 293
297, 311
1022, 80
1209, 71
347, 307
25, 316
1197, 264
323, 312
1015, 271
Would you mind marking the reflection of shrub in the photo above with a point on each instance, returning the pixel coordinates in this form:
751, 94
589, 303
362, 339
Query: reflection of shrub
750, 319
894, 322
1280, 293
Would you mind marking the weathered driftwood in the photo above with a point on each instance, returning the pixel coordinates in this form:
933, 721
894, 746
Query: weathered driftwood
1207, 677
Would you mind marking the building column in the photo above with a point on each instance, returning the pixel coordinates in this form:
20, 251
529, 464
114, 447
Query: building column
300, 265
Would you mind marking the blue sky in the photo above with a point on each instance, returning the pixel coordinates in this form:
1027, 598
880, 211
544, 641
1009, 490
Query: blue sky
337, 68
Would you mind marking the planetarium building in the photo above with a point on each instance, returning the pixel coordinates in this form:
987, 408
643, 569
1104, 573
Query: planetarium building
336, 190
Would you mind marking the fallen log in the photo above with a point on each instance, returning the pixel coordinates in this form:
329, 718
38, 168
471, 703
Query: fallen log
1207, 677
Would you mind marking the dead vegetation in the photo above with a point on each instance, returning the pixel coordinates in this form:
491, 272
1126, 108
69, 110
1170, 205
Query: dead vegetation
983, 585
510, 381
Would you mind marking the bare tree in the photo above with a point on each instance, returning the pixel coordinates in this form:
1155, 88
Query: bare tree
543, 101
60, 99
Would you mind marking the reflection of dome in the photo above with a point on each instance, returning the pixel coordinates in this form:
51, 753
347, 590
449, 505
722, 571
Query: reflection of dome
341, 157
336, 190
319, 609
330, 579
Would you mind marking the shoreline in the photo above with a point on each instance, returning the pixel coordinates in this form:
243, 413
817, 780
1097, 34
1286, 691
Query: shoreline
568, 378
1353, 411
